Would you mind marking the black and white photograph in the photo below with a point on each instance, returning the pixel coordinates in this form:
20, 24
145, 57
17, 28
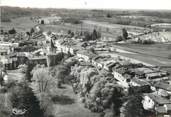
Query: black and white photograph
85, 58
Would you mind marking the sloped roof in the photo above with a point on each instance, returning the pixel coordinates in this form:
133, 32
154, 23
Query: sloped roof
163, 85
158, 99
161, 109
140, 82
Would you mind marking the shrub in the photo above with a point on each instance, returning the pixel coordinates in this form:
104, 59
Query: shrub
148, 42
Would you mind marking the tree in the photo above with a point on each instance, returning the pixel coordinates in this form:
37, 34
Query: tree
69, 31
138, 90
12, 31
1, 79
59, 73
124, 33
29, 68
32, 31
41, 80
72, 34
87, 36
2, 31
108, 15
28, 33
94, 35
133, 107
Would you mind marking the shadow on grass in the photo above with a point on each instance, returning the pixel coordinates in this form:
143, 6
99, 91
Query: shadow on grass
4, 113
62, 99
62, 87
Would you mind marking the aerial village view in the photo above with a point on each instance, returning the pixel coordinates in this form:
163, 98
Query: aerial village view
61, 62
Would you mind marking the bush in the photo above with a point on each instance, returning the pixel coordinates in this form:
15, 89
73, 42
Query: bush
148, 42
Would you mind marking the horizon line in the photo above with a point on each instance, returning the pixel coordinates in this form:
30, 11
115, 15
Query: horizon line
76, 8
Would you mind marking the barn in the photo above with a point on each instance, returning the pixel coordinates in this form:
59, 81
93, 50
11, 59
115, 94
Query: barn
50, 20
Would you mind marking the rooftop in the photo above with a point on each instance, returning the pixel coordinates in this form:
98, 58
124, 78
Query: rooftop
158, 99
163, 85
161, 109
140, 82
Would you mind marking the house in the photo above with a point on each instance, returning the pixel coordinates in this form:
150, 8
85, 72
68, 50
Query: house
163, 85
159, 100
153, 102
162, 111
38, 60
161, 105
102, 61
138, 82
6, 48
9, 62
152, 74
3, 52
124, 81
108, 65
156, 76
168, 107
86, 55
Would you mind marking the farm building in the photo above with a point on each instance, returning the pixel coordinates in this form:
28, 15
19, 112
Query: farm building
50, 20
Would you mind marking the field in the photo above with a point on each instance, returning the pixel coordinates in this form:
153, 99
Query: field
155, 54
106, 29
20, 24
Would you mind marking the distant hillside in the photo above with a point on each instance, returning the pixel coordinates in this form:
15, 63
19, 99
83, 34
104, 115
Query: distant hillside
7, 13
125, 17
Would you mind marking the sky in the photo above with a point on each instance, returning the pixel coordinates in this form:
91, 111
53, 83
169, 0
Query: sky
91, 4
